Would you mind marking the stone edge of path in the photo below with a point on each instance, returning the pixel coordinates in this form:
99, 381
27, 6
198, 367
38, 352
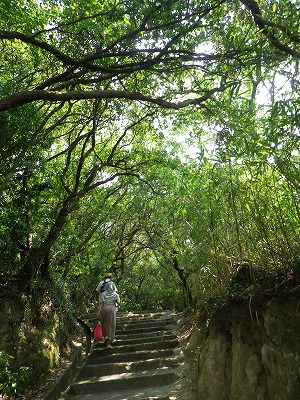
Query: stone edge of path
63, 381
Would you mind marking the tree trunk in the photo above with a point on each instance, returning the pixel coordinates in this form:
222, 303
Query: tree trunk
37, 259
183, 276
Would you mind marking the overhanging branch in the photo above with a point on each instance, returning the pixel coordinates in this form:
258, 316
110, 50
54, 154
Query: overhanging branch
25, 97
263, 25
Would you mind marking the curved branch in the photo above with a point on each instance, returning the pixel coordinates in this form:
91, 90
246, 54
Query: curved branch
39, 43
25, 97
253, 6
67, 60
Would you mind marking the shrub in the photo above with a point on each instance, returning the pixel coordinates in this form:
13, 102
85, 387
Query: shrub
11, 383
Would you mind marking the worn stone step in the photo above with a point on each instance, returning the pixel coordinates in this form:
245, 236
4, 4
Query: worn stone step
164, 392
137, 325
120, 341
143, 317
144, 314
125, 326
145, 321
138, 335
157, 315
123, 381
162, 318
107, 356
140, 329
98, 352
142, 364
136, 340
143, 327
144, 331
130, 366
133, 316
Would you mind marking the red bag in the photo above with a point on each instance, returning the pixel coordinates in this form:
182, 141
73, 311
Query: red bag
98, 333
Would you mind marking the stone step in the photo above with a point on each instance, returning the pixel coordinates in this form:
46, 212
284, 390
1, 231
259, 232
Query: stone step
107, 356
154, 315
138, 327
140, 330
133, 316
148, 317
123, 381
163, 392
99, 352
136, 339
125, 326
140, 320
130, 366
141, 335
142, 363
144, 314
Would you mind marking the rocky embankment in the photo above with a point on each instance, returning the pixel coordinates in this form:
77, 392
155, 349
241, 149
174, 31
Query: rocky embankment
249, 349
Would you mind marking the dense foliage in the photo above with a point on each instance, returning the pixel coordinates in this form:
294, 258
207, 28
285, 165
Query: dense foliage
157, 139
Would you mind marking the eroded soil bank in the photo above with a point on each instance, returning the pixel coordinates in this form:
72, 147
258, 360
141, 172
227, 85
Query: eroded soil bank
249, 349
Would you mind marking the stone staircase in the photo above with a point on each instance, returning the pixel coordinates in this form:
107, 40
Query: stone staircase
143, 363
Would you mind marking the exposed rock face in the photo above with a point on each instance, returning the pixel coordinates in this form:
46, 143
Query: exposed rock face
249, 351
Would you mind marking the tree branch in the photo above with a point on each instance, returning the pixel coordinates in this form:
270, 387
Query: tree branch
25, 97
67, 60
39, 43
253, 6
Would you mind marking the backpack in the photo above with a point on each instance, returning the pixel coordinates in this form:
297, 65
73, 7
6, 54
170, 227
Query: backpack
102, 288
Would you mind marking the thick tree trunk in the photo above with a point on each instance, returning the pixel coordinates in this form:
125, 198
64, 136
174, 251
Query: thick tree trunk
37, 259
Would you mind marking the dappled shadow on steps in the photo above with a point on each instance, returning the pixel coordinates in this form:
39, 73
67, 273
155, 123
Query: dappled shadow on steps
143, 363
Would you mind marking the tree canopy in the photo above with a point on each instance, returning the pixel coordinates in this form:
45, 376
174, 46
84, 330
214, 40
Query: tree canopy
157, 139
